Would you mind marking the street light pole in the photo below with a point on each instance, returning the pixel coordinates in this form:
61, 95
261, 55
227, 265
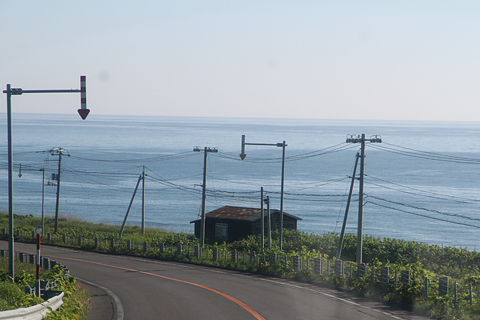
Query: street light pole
282, 145
83, 111
11, 252
204, 191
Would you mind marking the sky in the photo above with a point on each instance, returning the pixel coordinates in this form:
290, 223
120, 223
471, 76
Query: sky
385, 60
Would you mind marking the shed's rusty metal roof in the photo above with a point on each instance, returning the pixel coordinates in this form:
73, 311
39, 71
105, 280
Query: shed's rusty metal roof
237, 213
240, 213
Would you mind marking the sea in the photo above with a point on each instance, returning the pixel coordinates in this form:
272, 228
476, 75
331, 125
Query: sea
422, 181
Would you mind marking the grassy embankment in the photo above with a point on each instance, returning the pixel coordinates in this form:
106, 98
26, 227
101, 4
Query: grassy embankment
423, 260
12, 294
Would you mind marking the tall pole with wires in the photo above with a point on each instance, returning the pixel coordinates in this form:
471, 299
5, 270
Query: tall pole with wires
361, 139
204, 191
262, 219
143, 200
59, 152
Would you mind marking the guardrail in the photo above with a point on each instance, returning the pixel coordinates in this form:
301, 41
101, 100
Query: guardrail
53, 298
36, 312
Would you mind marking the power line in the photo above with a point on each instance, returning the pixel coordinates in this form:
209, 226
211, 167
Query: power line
424, 209
423, 215
435, 194
425, 155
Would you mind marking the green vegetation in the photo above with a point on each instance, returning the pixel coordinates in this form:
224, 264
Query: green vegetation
423, 261
12, 295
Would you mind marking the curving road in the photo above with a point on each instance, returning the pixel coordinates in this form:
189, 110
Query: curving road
151, 289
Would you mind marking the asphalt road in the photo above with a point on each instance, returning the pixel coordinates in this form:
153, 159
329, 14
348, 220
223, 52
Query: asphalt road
151, 289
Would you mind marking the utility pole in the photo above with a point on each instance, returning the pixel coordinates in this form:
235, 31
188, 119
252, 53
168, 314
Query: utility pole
269, 223
361, 139
143, 200
206, 150
262, 219
58, 152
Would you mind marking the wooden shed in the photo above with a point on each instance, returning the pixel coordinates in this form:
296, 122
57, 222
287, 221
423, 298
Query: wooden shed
234, 223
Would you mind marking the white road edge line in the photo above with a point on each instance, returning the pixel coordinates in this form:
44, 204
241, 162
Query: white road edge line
113, 296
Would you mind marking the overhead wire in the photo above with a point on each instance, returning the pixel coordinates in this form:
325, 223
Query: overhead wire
425, 209
423, 215
429, 194
422, 154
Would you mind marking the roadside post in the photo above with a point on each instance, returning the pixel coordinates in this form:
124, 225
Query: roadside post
39, 239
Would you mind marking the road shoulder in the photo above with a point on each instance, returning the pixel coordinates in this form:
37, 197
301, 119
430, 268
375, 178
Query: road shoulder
104, 304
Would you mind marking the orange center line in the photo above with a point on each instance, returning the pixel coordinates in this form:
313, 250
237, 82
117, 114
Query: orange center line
240, 303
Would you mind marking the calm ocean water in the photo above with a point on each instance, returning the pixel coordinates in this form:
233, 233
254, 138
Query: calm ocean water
422, 181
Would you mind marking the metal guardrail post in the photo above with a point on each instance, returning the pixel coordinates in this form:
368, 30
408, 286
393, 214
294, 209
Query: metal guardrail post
443, 286
427, 282
471, 294
385, 276
339, 268
273, 258
46, 263
405, 277
455, 291
316, 266
361, 270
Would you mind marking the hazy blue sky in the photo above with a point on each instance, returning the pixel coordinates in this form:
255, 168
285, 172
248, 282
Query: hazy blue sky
403, 60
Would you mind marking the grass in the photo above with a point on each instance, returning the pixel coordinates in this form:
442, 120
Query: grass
12, 295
